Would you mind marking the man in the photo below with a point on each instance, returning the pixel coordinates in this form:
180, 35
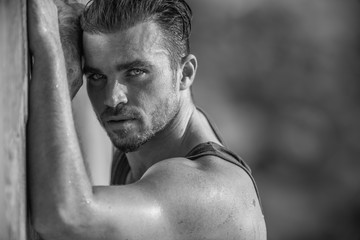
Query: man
172, 178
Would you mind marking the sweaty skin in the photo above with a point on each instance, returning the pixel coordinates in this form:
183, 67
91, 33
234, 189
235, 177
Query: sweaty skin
136, 96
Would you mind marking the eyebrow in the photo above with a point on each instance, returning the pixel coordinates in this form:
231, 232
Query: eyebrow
133, 64
88, 69
120, 67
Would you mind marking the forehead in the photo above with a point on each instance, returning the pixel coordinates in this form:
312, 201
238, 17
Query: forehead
143, 40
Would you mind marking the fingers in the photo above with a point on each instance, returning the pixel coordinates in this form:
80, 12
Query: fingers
71, 7
60, 4
67, 2
72, 1
78, 7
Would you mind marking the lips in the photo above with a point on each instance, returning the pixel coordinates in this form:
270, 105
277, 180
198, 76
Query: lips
115, 122
119, 119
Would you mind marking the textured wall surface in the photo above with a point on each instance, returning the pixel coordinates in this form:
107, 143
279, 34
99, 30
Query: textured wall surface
13, 114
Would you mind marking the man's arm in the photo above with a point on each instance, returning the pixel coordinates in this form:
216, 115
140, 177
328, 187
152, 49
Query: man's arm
57, 176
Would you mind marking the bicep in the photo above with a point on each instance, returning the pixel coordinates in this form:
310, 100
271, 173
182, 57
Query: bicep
128, 212
147, 209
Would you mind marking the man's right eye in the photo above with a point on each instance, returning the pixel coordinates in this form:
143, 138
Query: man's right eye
96, 79
96, 76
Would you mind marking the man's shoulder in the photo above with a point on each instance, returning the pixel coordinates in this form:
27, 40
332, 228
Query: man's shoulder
206, 194
212, 168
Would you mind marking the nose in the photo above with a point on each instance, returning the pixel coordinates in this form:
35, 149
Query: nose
115, 94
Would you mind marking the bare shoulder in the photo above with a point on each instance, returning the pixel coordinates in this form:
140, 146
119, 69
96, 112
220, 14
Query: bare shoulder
208, 197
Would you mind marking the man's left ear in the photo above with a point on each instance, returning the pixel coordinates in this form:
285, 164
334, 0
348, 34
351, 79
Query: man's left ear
189, 67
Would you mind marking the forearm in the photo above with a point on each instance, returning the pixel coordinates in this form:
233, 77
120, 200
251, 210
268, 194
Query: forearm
58, 179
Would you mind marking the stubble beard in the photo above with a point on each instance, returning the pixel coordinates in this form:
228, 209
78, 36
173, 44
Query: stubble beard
129, 144
126, 141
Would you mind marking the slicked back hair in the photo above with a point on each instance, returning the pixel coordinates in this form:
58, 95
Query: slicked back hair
172, 16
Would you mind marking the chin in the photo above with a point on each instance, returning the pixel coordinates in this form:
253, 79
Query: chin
128, 148
129, 143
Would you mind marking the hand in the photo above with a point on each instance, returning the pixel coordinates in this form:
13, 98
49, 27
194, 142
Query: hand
69, 12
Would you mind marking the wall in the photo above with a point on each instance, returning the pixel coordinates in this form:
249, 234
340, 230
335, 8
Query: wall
13, 114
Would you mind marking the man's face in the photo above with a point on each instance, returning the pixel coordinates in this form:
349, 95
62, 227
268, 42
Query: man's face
133, 90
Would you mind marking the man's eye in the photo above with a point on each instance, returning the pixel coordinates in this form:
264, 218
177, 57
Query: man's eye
96, 76
135, 72
96, 79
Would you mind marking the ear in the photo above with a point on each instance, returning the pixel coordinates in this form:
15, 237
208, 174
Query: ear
188, 68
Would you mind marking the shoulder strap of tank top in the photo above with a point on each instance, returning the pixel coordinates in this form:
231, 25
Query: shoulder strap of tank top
214, 149
119, 169
211, 148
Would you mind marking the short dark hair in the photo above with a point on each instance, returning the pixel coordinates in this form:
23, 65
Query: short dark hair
173, 17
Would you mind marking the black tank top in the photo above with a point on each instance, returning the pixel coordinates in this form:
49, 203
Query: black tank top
120, 166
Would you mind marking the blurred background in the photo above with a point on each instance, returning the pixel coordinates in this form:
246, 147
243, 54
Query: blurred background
281, 80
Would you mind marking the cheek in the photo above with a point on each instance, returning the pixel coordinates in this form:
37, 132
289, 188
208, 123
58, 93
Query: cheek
153, 94
162, 99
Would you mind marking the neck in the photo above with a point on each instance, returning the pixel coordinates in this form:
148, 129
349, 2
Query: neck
172, 141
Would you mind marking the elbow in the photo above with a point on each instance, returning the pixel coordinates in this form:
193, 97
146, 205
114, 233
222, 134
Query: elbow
61, 222
45, 224
41, 220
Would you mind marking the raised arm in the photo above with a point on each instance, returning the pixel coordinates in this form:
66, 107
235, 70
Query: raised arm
57, 176
62, 201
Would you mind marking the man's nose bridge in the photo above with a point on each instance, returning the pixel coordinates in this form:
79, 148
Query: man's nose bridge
115, 93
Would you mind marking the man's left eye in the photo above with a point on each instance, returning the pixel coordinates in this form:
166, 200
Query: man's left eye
135, 72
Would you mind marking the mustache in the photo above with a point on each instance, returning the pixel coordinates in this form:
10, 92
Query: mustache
120, 111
